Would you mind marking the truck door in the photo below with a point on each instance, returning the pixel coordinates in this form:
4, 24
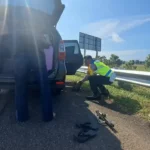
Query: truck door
74, 58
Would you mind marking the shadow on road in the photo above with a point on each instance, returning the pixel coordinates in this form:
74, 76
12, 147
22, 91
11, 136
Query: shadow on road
58, 134
122, 104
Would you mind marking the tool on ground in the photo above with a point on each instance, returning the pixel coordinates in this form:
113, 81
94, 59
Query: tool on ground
76, 86
103, 118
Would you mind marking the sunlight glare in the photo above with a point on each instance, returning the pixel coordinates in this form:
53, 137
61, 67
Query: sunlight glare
4, 19
33, 35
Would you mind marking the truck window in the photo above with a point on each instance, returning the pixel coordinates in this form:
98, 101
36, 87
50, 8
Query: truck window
70, 50
46, 6
72, 46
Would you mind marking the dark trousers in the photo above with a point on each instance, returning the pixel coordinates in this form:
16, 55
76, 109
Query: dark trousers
98, 82
24, 62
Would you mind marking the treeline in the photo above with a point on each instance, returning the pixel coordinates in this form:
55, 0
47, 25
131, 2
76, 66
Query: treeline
115, 62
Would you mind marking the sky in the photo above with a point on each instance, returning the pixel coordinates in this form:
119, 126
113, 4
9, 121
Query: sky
123, 25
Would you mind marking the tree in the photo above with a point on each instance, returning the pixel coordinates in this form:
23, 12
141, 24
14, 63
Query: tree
123, 62
147, 61
142, 62
104, 60
137, 62
115, 61
131, 62
130, 65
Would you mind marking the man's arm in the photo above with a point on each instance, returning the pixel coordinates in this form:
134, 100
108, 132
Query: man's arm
93, 67
79, 84
85, 78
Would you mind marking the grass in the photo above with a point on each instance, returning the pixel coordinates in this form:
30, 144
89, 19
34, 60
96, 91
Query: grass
130, 99
142, 68
138, 67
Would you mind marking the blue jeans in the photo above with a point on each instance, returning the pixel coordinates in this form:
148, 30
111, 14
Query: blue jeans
24, 62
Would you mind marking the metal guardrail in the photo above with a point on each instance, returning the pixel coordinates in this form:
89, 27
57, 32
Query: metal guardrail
136, 77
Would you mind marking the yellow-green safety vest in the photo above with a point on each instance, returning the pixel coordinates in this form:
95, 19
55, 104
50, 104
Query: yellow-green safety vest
102, 69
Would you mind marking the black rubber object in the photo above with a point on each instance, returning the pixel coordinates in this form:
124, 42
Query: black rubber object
86, 126
85, 136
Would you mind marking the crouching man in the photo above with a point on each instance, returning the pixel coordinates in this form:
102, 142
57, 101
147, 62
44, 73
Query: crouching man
98, 75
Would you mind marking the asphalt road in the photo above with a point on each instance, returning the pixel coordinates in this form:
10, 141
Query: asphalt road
133, 133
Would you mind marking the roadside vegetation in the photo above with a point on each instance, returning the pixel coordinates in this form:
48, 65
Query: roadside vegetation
115, 62
128, 98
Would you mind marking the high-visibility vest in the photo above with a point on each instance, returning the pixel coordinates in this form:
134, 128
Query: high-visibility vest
102, 69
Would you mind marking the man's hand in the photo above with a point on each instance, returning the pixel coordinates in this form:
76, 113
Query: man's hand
79, 82
77, 86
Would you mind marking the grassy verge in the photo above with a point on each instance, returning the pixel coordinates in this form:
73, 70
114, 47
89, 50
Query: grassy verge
142, 68
130, 99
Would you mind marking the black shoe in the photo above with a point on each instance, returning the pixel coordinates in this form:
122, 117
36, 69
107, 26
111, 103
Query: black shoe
93, 97
105, 94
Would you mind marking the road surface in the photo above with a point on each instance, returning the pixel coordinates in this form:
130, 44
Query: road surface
133, 133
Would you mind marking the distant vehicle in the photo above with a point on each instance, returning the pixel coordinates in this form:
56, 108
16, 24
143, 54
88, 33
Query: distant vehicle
32, 22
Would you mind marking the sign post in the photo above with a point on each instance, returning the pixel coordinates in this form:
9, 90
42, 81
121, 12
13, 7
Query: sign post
89, 42
96, 48
84, 52
84, 44
96, 54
